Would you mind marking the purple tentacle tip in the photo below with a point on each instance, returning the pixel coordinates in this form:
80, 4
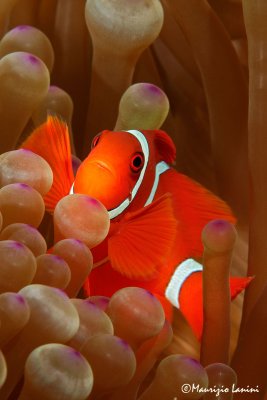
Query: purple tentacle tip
219, 223
32, 59
24, 186
79, 242
53, 88
124, 343
104, 300
17, 245
93, 201
90, 303
57, 258
23, 27
153, 89
61, 292
75, 353
193, 361
150, 294
20, 299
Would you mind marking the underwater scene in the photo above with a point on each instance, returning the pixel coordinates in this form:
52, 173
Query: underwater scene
133, 187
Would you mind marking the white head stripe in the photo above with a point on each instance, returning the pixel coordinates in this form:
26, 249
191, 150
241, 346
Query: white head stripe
145, 149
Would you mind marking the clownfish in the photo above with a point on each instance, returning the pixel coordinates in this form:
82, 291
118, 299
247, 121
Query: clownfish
156, 214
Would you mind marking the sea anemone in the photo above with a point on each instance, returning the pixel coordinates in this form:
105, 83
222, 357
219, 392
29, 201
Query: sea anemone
194, 68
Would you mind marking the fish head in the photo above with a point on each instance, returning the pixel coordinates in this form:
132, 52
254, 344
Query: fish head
118, 164
112, 168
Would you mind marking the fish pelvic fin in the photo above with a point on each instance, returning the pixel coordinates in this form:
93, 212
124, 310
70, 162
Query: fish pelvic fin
143, 239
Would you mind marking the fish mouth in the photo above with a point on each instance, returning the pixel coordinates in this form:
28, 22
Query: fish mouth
103, 165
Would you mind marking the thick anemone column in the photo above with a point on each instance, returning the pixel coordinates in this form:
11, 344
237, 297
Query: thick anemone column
255, 14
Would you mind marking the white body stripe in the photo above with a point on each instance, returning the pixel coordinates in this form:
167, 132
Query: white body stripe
71, 189
160, 168
182, 272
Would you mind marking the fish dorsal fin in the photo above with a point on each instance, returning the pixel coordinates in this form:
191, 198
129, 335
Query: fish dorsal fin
165, 146
196, 207
143, 239
51, 141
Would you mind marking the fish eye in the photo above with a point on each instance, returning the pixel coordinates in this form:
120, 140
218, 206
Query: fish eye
95, 140
137, 162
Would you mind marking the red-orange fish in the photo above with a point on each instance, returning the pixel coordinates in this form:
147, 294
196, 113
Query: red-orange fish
156, 213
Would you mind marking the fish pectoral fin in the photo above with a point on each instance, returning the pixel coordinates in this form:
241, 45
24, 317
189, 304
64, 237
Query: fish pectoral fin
143, 239
51, 141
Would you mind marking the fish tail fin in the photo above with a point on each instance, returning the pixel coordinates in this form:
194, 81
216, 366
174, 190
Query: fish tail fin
238, 284
86, 287
51, 141
186, 292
